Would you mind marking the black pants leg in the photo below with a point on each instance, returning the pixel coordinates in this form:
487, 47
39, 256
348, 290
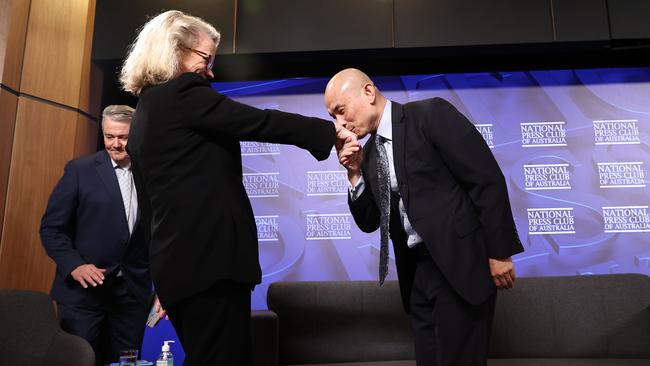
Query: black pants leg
214, 326
448, 331
125, 321
109, 318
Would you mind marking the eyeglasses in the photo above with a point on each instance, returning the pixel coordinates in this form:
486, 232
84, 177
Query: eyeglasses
209, 60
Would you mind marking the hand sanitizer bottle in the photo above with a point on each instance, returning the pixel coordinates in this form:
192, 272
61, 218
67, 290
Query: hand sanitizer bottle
166, 358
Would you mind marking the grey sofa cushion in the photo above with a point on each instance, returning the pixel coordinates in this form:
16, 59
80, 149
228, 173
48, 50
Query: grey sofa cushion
30, 333
264, 337
330, 322
584, 320
600, 316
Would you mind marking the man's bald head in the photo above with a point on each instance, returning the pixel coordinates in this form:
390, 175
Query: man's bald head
355, 102
347, 80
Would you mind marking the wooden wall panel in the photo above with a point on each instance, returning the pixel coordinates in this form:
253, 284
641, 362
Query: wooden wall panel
55, 49
43, 143
91, 90
85, 136
13, 30
88, 69
8, 106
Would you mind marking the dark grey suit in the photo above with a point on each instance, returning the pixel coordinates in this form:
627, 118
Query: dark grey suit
455, 198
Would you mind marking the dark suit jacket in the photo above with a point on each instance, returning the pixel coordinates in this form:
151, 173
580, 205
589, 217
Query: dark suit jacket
85, 223
454, 193
184, 144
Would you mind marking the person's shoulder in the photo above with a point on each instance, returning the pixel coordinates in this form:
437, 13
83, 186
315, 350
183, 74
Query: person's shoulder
89, 160
181, 83
190, 78
429, 103
193, 86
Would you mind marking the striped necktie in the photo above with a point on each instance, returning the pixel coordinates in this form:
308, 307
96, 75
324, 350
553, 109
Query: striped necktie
383, 174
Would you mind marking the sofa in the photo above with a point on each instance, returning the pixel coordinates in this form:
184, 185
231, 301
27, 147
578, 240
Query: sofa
543, 321
30, 333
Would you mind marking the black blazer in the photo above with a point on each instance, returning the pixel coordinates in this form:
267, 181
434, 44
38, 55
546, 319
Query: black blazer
184, 145
85, 222
454, 193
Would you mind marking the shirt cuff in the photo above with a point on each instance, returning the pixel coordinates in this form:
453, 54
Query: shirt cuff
358, 188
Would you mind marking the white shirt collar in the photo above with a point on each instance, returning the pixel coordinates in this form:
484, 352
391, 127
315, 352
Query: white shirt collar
385, 128
127, 167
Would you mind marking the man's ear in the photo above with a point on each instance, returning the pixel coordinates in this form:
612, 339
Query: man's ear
369, 92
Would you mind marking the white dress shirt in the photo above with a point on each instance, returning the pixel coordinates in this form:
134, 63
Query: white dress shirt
129, 194
385, 130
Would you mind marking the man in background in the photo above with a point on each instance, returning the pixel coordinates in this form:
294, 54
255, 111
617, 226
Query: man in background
91, 230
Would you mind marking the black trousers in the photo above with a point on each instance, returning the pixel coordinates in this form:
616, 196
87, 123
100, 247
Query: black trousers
214, 325
448, 331
110, 319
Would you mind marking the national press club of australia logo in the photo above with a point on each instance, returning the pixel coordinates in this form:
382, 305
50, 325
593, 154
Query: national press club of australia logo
557, 220
254, 148
262, 184
267, 227
328, 226
547, 176
327, 183
543, 134
626, 219
616, 132
485, 130
621, 175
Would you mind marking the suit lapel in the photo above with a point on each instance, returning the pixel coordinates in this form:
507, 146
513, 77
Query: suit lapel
398, 141
399, 148
370, 169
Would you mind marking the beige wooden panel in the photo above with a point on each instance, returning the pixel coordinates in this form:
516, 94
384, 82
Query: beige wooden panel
8, 105
55, 49
88, 69
91, 96
86, 136
43, 143
13, 29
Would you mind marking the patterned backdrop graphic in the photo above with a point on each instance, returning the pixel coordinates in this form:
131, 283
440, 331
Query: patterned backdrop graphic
573, 145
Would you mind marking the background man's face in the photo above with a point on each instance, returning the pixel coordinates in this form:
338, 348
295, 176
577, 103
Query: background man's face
116, 135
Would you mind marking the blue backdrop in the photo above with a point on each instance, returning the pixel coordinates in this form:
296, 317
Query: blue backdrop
573, 145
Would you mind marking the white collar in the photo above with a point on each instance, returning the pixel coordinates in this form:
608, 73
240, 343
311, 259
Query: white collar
127, 167
385, 128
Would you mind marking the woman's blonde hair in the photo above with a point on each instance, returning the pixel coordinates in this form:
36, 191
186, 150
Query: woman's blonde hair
154, 57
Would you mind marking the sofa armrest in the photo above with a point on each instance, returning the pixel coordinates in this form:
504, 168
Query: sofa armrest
265, 337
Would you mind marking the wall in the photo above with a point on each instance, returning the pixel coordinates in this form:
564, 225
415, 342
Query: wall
49, 107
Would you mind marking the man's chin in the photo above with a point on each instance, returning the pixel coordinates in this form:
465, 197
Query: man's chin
117, 157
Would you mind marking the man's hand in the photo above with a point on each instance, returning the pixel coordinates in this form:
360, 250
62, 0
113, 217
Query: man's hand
88, 274
343, 136
349, 152
503, 272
